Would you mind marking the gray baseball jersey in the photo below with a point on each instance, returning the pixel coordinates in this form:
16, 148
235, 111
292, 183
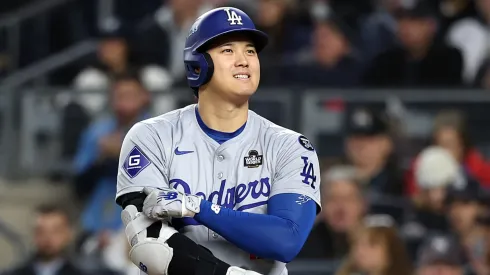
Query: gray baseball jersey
242, 173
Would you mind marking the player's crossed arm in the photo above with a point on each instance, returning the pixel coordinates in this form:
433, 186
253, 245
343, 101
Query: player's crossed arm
156, 248
279, 234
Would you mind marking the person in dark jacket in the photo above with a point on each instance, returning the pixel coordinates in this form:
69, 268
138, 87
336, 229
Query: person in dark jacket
421, 61
53, 233
465, 202
369, 147
333, 59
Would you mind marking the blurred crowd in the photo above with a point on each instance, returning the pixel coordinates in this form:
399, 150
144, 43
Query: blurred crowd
321, 43
379, 216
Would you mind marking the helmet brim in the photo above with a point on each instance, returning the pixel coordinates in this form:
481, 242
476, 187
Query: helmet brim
259, 39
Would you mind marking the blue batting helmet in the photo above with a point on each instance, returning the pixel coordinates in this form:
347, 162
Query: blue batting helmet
213, 24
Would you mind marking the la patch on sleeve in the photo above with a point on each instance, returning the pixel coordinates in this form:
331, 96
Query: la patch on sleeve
305, 143
135, 162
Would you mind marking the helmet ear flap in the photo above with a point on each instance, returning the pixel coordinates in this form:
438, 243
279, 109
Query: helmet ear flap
210, 68
205, 66
199, 67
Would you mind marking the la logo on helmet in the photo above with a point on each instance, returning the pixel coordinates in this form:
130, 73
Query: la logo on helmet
233, 18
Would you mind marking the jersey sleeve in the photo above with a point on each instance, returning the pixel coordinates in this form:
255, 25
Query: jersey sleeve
297, 170
142, 161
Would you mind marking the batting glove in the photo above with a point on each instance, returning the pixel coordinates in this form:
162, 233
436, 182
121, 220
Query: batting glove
166, 203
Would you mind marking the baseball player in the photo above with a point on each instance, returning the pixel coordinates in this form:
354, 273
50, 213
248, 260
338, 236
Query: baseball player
215, 176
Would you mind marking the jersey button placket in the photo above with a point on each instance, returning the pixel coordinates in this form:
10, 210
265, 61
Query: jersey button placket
218, 166
220, 159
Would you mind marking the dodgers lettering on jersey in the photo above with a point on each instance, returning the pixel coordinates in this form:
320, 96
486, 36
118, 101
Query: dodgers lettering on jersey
242, 173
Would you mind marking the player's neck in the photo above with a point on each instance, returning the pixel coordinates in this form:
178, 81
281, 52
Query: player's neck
222, 116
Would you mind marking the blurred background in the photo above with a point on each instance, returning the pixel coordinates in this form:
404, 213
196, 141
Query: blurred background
392, 93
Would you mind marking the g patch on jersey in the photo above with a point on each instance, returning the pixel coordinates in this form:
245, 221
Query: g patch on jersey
253, 160
305, 143
135, 162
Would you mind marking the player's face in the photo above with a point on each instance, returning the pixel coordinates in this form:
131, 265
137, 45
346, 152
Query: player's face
236, 67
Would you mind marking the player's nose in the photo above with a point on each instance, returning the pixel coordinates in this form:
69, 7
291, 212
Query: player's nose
241, 60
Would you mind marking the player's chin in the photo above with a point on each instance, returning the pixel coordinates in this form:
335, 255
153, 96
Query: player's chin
245, 88
245, 91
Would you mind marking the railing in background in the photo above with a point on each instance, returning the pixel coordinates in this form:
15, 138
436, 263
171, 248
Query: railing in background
11, 27
32, 118
14, 239
38, 70
7, 133
324, 113
313, 267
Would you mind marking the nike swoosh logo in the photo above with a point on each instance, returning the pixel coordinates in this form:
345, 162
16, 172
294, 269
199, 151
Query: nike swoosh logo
177, 152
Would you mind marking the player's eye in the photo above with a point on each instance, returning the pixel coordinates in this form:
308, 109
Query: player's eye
227, 51
251, 51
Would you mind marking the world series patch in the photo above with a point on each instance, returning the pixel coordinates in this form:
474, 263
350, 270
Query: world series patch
253, 159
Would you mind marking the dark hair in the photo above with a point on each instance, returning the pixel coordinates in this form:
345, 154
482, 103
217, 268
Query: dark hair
129, 75
398, 259
47, 209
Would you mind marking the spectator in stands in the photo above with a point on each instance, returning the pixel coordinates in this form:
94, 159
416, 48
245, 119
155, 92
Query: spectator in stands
343, 208
97, 159
471, 36
379, 29
441, 255
450, 131
333, 61
421, 61
53, 234
435, 170
377, 249
115, 56
370, 149
160, 38
465, 203
286, 34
